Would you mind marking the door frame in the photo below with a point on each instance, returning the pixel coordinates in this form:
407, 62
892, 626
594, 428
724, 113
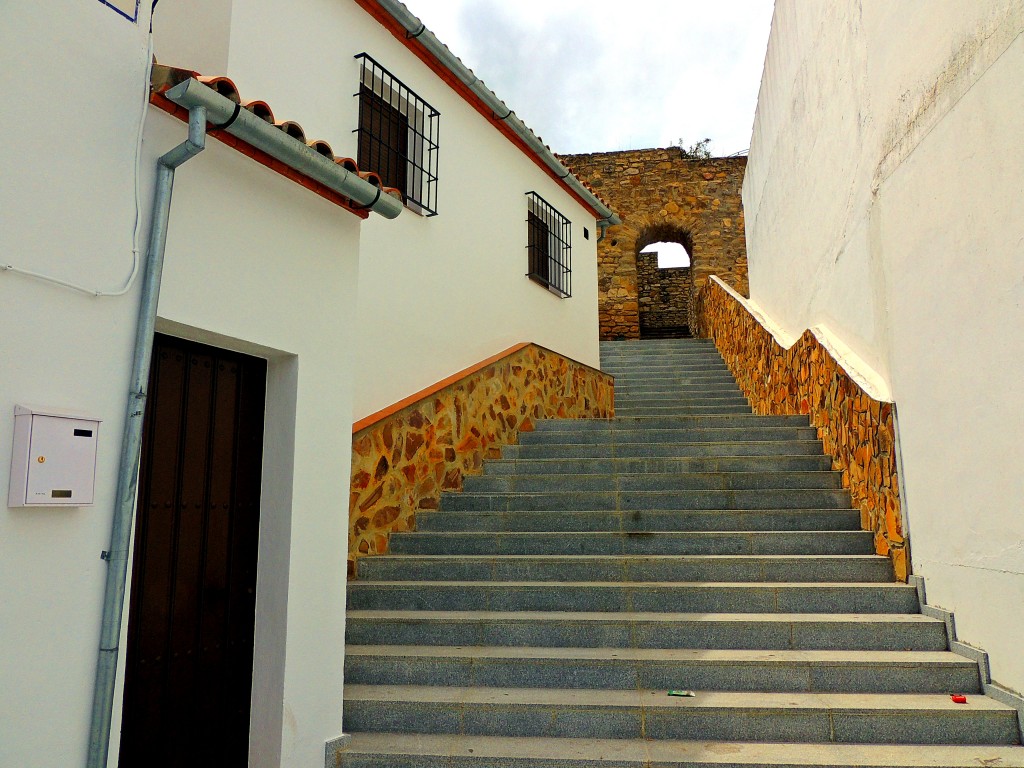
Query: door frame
266, 716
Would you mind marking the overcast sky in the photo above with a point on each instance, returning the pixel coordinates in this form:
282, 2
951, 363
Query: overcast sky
598, 75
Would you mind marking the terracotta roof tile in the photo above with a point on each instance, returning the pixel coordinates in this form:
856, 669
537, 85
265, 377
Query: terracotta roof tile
294, 130
222, 85
372, 177
348, 164
261, 109
321, 147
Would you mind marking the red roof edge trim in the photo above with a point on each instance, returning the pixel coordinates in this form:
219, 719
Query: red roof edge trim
390, 23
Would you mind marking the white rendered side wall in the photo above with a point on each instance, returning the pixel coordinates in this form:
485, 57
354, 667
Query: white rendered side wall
255, 263
436, 294
883, 199
193, 34
73, 92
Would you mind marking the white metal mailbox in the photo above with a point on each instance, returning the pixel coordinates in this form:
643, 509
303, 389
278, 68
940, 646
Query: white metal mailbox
54, 459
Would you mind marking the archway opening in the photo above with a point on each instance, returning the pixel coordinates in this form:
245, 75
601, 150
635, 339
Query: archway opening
670, 255
664, 281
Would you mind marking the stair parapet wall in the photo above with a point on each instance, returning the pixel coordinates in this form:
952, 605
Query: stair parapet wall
856, 430
404, 456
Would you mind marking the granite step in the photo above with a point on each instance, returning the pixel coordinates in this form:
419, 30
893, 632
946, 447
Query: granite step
638, 542
627, 433
651, 481
681, 449
681, 410
627, 390
746, 420
850, 718
640, 365
683, 405
674, 381
688, 399
818, 671
721, 631
656, 466
406, 750
630, 568
673, 597
632, 500
642, 521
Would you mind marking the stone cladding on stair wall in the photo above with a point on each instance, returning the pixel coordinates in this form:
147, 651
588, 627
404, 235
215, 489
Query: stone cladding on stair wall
856, 430
404, 457
661, 195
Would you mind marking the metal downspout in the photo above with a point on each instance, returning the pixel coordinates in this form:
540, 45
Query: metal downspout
128, 476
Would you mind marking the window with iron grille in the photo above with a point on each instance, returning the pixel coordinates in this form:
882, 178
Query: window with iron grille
548, 246
397, 136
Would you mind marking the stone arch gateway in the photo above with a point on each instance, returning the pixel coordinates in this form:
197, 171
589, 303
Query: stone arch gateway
663, 293
661, 191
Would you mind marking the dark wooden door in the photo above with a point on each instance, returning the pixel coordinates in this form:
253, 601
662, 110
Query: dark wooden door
188, 681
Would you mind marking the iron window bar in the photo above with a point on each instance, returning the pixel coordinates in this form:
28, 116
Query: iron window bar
397, 136
548, 246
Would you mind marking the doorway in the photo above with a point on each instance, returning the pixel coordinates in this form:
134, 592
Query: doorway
188, 679
664, 281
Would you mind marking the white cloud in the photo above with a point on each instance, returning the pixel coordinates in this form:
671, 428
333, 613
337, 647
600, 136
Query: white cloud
588, 76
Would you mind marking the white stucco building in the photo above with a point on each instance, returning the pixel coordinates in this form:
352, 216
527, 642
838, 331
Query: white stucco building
265, 266
883, 201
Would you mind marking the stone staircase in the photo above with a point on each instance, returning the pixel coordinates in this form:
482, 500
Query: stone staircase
539, 618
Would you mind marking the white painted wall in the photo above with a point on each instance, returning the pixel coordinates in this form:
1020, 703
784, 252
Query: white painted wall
885, 171
435, 294
271, 272
72, 97
193, 34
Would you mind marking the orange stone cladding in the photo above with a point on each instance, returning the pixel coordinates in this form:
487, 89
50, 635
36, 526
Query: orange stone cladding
856, 430
402, 462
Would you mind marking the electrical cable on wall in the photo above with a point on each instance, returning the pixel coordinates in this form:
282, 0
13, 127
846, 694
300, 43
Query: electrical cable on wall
136, 231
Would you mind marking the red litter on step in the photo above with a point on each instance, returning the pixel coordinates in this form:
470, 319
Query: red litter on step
958, 698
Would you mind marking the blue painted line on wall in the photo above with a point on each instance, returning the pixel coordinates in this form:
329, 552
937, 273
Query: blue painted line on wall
131, 17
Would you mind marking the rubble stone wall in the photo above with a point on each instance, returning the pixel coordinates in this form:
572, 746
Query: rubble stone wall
857, 430
659, 194
406, 455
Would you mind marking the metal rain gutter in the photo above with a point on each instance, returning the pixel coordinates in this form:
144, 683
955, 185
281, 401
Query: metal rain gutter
439, 50
131, 446
225, 114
